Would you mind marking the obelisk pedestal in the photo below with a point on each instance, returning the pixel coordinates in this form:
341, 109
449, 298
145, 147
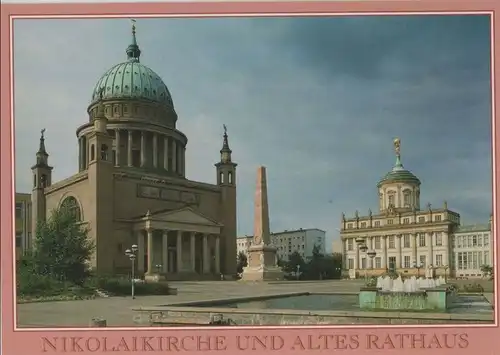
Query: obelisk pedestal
262, 257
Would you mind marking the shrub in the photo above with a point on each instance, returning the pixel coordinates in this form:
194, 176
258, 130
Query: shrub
473, 288
122, 286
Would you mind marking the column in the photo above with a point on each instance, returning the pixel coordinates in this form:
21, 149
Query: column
429, 243
446, 247
399, 261
155, 150
117, 147
129, 148
165, 153
84, 153
206, 261
183, 167
384, 251
193, 251
179, 251
217, 254
150, 251
413, 242
370, 261
357, 259
179, 159
345, 262
143, 149
174, 156
140, 251
164, 259
80, 155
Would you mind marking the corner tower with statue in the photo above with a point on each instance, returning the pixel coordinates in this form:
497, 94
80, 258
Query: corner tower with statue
131, 187
401, 236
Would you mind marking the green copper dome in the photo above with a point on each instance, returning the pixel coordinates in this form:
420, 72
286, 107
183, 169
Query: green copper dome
132, 80
398, 172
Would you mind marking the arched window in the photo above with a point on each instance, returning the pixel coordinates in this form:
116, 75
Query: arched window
71, 204
104, 152
221, 177
230, 177
92, 152
391, 199
407, 198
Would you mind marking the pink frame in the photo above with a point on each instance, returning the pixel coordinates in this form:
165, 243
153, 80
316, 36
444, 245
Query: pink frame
479, 339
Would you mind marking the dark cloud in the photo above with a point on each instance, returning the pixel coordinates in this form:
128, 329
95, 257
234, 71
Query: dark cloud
316, 100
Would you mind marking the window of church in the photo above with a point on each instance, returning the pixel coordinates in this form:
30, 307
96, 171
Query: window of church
390, 221
34, 180
92, 152
421, 219
377, 223
437, 218
104, 152
349, 225
363, 224
377, 242
391, 242
406, 220
71, 204
391, 200
230, 176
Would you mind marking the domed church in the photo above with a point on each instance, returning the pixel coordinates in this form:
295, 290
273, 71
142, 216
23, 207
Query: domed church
131, 186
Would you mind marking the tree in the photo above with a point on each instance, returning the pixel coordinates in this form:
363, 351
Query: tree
242, 261
333, 266
62, 247
487, 271
294, 260
315, 269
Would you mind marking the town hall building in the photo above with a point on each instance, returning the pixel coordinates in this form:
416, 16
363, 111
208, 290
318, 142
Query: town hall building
131, 186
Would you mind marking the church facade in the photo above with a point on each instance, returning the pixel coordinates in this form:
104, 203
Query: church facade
131, 186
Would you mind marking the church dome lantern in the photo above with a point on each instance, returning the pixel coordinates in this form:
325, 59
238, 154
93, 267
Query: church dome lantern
132, 81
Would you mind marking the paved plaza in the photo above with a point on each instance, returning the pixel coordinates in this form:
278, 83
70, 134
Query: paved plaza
117, 310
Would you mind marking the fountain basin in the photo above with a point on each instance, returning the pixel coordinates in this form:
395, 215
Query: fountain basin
436, 299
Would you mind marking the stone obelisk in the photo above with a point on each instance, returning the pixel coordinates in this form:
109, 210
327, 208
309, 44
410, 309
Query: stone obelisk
262, 257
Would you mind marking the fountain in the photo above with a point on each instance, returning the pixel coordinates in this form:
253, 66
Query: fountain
411, 294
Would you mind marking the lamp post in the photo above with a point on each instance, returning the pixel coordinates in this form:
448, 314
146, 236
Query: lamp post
418, 266
298, 272
371, 254
362, 248
158, 268
446, 267
131, 253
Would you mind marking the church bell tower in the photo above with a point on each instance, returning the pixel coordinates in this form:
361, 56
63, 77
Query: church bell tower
226, 180
42, 178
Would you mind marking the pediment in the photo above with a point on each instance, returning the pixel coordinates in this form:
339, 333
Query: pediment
185, 215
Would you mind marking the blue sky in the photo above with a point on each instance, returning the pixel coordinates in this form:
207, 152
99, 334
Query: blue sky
318, 101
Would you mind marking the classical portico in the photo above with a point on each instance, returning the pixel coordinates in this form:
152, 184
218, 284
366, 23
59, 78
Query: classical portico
177, 242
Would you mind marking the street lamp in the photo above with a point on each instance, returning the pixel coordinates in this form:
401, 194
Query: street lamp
371, 254
445, 273
158, 268
298, 272
418, 266
131, 253
362, 248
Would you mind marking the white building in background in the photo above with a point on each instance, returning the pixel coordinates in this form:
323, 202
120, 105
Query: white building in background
472, 247
290, 241
337, 246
